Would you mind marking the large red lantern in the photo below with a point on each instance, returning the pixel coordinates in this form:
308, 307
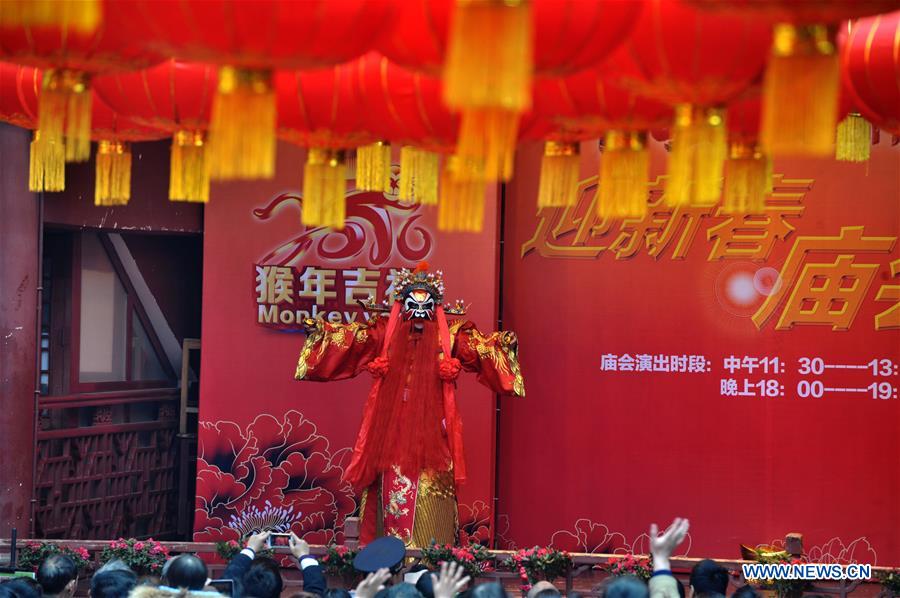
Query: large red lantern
871, 69
322, 110
175, 97
697, 61
112, 186
405, 107
587, 105
489, 52
114, 135
801, 86
248, 39
70, 57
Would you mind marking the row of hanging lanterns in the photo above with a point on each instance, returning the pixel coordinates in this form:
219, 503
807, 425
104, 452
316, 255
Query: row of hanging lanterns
457, 84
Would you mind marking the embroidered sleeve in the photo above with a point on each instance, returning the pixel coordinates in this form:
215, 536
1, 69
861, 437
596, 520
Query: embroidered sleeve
494, 357
338, 351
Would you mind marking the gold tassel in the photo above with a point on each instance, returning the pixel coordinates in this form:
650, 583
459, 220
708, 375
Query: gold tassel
854, 139
748, 180
47, 164
64, 112
242, 126
487, 138
324, 187
112, 185
83, 16
188, 173
419, 172
461, 207
373, 167
698, 153
487, 77
800, 92
624, 173
558, 185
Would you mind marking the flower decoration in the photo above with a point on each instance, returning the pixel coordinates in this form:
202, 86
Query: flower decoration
338, 562
34, 553
474, 558
784, 588
629, 564
475, 523
537, 563
145, 557
274, 474
378, 367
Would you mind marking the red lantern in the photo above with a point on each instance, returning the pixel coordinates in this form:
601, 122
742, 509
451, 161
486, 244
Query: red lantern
19, 87
405, 107
248, 39
114, 135
491, 50
176, 97
748, 169
70, 56
871, 69
587, 105
322, 110
801, 89
696, 61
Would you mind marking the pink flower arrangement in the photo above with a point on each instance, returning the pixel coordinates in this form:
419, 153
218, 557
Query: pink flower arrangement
537, 563
34, 553
630, 564
143, 556
338, 562
474, 558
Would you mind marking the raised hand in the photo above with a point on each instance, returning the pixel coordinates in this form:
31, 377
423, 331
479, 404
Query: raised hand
452, 580
373, 584
257, 542
299, 547
663, 545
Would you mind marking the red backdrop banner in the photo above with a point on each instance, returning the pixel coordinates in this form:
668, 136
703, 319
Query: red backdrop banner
272, 450
739, 371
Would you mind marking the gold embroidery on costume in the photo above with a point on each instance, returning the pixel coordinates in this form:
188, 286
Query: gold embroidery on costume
454, 330
311, 340
436, 512
486, 346
397, 496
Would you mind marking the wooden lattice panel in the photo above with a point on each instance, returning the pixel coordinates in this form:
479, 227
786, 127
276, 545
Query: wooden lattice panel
107, 482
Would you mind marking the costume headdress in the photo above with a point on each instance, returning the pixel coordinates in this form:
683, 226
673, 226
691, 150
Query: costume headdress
407, 281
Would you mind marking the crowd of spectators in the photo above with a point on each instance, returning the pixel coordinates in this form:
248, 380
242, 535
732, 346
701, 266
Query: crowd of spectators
251, 576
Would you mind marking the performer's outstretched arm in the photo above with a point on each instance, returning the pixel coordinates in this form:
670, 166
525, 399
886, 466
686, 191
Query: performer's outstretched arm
338, 351
494, 357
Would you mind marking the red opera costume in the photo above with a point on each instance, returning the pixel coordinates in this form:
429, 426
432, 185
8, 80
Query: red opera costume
409, 454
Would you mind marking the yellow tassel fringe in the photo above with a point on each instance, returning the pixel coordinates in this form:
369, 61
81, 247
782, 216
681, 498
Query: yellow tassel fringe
324, 188
112, 185
489, 55
83, 16
800, 93
698, 153
624, 170
64, 112
559, 175
748, 180
487, 139
854, 139
461, 207
47, 164
419, 173
188, 172
242, 126
373, 167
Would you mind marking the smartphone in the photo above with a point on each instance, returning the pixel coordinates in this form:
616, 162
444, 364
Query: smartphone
278, 540
223, 586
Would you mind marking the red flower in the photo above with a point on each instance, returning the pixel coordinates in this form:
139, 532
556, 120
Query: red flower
138, 545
